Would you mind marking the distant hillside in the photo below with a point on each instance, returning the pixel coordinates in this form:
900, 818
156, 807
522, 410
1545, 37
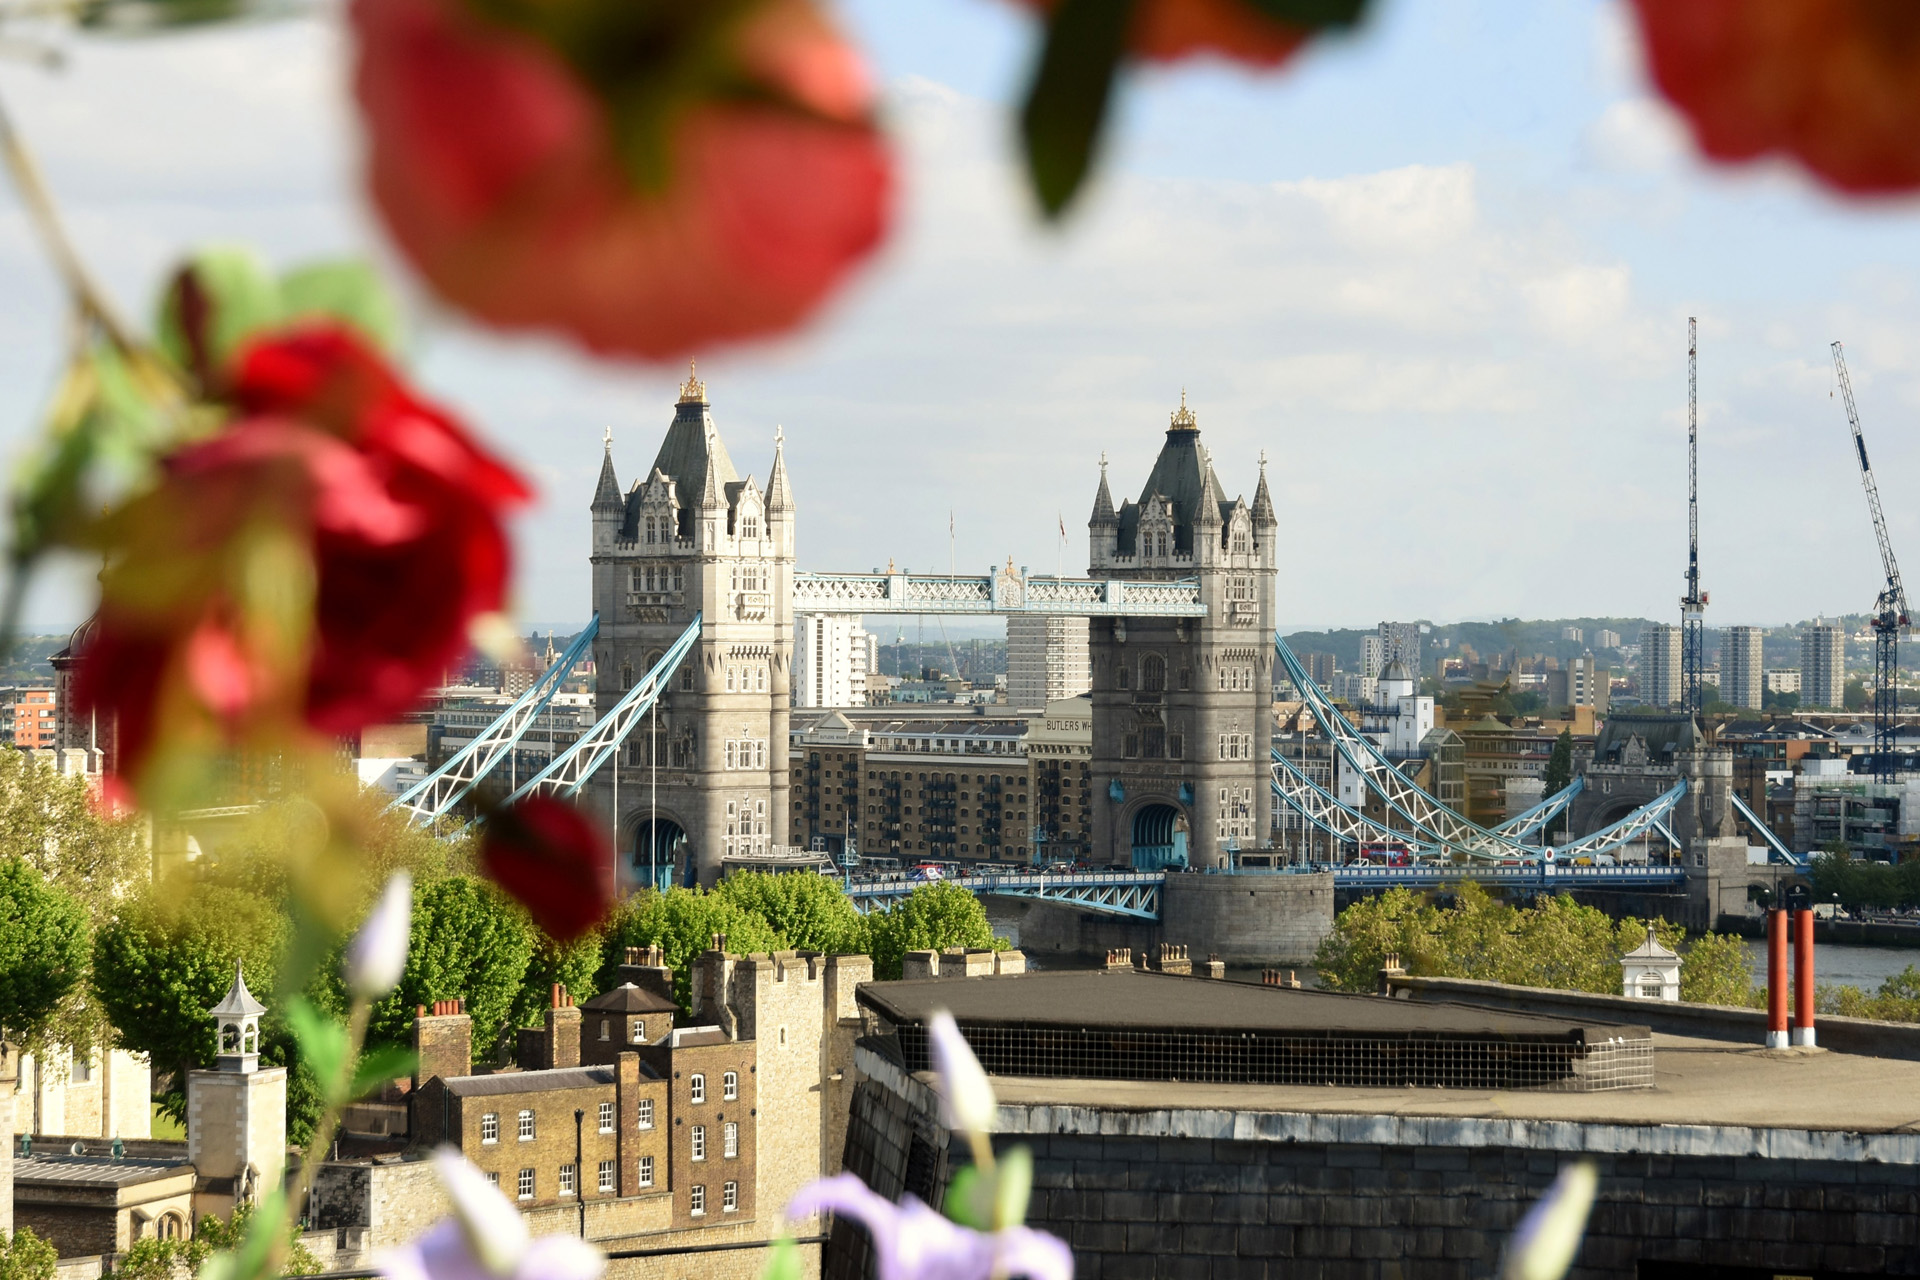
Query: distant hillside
27, 664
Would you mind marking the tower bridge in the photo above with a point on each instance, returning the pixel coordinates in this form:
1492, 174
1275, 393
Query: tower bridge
695, 593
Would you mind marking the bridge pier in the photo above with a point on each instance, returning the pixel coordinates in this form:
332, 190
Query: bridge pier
1247, 920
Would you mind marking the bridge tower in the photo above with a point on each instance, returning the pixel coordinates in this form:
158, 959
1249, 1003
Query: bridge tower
694, 536
1182, 707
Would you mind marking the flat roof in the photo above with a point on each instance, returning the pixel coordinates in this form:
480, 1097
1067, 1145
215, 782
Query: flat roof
1137, 998
1696, 1083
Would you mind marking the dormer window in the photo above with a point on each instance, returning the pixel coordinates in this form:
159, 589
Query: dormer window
750, 527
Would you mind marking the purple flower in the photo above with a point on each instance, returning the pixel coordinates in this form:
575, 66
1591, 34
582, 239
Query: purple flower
912, 1242
485, 1238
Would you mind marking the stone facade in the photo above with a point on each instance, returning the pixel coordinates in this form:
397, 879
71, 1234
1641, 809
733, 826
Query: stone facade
9, 1080
99, 1093
1182, 707
693, 537
91, 1204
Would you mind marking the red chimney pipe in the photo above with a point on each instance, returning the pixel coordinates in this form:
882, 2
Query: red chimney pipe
1803, 976
1776, 978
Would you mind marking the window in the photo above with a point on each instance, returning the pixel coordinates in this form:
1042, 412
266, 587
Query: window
606, 1177
606, 1116
1121, 677
730, 1141
697, 1201
646, 1114
490, 1127
606, 1028
1153, 673
646, 1171
1649, 988
729, 1197
526, 1126
494, 1179
730, 1085
699, 1142
566, 1179
750, 527
526, 1184
697, 1088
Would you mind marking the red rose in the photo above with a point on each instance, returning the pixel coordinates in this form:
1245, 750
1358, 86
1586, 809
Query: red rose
1168, 30
1833, 83
316, 563
532, 198
555, 860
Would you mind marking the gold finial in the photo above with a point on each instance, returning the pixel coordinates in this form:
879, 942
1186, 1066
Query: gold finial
693, 391
1183, 419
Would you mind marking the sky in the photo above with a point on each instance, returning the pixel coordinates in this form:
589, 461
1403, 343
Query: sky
1439, 272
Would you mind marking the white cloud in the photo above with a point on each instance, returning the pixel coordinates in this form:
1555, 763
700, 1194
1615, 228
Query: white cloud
1639, 134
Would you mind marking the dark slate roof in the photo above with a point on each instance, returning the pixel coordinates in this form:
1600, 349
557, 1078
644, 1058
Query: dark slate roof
691, 449
530, 1081
1664, 732
628, 998
1181, 476
96, 1171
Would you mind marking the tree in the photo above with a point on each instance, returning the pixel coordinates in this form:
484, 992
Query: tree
681, 922
169, 958
1854, 696
1780, 703
25, 1256
1713, 970
1559, 776
574, 965
933, 916
468, 942
43, 951
808, 912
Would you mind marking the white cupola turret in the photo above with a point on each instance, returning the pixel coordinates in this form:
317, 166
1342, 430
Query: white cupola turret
236, 1022
1650, 971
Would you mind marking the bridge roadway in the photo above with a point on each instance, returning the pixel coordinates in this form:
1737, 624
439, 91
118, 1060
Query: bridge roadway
1136, 894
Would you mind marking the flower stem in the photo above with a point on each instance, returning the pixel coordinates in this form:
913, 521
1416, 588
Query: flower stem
335, 1092
88, 297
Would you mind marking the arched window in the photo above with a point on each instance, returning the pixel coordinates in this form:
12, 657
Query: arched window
626, 675
1122, 676
650, 529
1153, 673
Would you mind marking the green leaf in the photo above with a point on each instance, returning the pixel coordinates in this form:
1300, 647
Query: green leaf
969, 1199
377, 1066
1013, 1186
141, 17
214, 302
323, 1042
1066, 105
783, 1261
350, 291
263, 1225
1313, 14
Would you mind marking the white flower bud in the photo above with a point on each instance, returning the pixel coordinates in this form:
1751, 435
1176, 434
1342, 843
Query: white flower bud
967, 1102
377, 956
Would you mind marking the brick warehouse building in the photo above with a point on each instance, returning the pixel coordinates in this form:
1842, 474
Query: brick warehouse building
1260, 1132
687, 1134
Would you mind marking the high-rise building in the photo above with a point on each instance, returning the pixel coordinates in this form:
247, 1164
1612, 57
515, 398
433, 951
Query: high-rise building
1584, 683
1823, 666
1373, 656
1400, 642
1604, 639
1320, 668
1742, 674
1660, 664
1574, 634
1046, 660
832, 655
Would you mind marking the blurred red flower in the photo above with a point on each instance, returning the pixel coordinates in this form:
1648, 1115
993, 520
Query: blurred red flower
555, 860
1168, 30
1833, 83
317, 562
648, 177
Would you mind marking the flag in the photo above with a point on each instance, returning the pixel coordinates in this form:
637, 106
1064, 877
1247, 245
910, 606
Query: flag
1063, 527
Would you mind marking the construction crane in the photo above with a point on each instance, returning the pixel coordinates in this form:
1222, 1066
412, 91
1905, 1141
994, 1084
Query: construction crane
1693, 623
1890, 610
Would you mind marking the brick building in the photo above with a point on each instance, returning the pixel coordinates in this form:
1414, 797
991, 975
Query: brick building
623, 1122
972, 789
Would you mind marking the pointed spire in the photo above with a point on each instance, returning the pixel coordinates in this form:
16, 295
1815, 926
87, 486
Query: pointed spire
239, 1002
1103, 500
1263, 516
1206, 510
606, 495
779, 492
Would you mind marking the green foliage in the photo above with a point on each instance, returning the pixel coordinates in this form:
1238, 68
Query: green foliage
1780, 703
1557, 944
1854, 696
934, 916
25, 1256
1860, 882
574, 966
180, 1259
808, 912
468, 942
43, 950
681, 922
1559, 775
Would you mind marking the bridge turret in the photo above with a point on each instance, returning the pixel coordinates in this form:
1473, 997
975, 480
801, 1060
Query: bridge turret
609, 508
1103, 528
